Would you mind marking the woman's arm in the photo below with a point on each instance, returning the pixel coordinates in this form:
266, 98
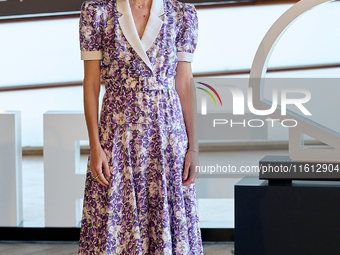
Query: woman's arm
91, 86
187, 96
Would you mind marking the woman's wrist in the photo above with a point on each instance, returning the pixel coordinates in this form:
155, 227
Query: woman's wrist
194, 150
95, 146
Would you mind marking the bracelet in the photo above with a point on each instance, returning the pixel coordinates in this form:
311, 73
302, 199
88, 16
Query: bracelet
194, 151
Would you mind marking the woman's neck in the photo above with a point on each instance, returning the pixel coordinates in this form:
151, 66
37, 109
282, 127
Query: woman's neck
140, 3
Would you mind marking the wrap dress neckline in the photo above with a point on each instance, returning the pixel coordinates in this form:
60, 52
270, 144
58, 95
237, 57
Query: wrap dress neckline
151, 30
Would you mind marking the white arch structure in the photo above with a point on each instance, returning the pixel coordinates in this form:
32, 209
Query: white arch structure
297, 150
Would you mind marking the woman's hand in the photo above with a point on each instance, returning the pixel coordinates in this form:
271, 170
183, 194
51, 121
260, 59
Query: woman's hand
98, 165
190, 175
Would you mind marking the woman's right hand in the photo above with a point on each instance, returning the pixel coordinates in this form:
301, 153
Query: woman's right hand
99, 166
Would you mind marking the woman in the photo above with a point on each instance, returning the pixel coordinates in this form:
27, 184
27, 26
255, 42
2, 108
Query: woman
140, 195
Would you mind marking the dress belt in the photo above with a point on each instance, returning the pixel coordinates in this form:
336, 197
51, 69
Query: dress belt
140, 84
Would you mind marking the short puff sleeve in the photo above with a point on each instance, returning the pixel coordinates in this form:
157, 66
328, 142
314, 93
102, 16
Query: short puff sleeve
187, 36
90, 31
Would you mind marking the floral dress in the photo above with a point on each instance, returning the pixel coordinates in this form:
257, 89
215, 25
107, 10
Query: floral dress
145, 209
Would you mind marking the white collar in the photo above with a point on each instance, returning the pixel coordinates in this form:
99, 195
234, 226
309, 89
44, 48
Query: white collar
151, 31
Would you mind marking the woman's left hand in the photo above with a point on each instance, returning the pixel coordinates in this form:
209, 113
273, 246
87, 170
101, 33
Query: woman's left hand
190, 175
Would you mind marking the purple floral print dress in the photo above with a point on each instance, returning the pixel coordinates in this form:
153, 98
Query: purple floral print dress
145, 209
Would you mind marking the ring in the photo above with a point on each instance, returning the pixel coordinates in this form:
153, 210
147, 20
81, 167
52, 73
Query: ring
95, 178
